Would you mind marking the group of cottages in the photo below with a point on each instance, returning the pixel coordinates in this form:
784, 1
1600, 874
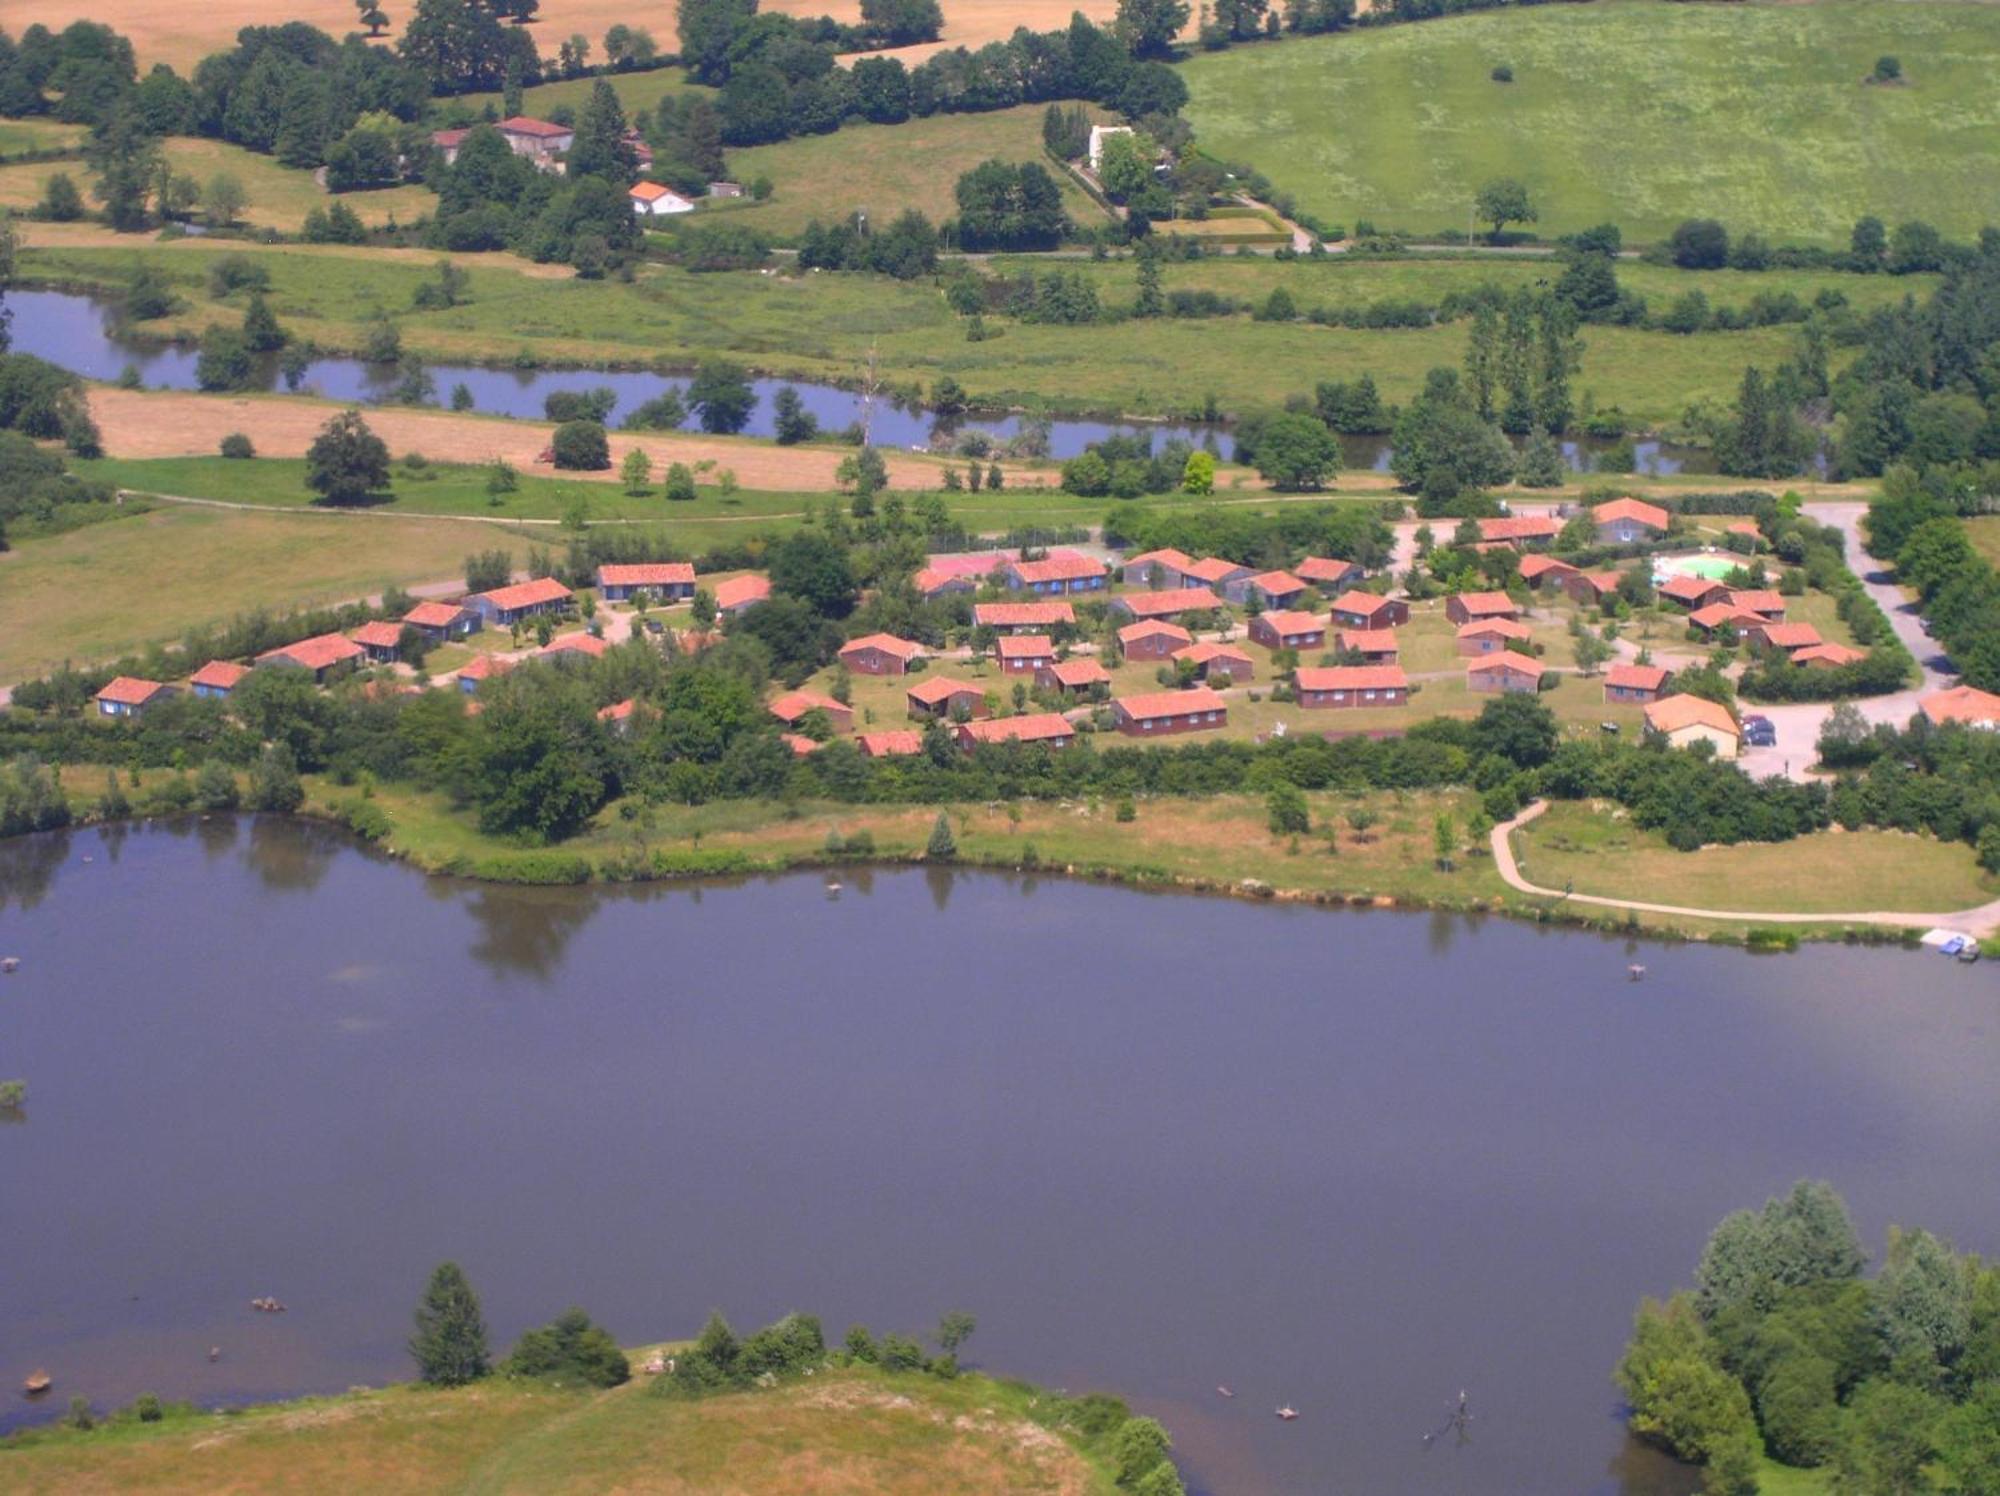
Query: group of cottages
1619, 522
1171, 570
545, 144
966, 571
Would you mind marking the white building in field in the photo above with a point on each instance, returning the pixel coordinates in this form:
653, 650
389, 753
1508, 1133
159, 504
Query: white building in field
651, 200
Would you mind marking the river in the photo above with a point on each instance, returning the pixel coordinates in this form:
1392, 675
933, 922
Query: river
1350, 1161
85, 335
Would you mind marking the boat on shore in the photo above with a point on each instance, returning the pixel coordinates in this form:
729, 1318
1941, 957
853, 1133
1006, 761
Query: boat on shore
37, 1383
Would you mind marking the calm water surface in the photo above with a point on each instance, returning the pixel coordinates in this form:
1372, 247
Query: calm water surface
84, 335
1354, 1162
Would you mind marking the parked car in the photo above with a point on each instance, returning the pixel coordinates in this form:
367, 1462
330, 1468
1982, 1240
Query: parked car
1759, 731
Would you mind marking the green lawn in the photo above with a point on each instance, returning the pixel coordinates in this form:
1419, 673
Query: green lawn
17, 135
884, 169
1984, 533
1856, 871
823, 326
1637, 113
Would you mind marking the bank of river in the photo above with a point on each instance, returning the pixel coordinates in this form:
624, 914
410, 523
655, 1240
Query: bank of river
1349, 1161
85, 335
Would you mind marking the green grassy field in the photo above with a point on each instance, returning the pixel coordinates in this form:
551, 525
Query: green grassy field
1851, 871
1984, 533
38, 135
845, 1430
823, 326
277, 196
887, 168
1636, 113
99, 592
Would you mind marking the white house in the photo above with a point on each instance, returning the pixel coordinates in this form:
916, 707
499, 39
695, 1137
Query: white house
1097, 138
651, 200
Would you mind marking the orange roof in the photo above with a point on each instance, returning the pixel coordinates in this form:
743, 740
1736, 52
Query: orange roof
1488, 604
1206, 653
888, 644
1673, 713
380, 634
1367, 604
1035, 727
937, 690
799, 744
739, 592
222, 674
1277, 582
646, 574
1520, 527
1024, 646
1350, 678
618, 711
1487, 628
1759, 600
1078, 672
931, 579
315, 653
1171, 703
1689, 589
1153, 628
1166, 604
1636, 677
1542, 566
522, 124
896, 742
1633, 509
482, 667
1715, 615
1213, 570
129, 690
1016, 615
1169, 557
1604, 582
1966, 704
434, 615
526, 594
1744, 527
1789, 635
588, 644
1290, 621
1323, 569
1369, 641
1828, 654
1506, 662
648, 192
1058, 569
793, 705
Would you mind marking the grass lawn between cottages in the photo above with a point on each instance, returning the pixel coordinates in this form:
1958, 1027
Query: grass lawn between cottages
277, 197
1850, 871
843, 1430
1983, 531
1401, 125
104, 590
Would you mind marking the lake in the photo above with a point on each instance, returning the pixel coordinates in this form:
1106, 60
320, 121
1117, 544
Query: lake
1350, 1161
86, 336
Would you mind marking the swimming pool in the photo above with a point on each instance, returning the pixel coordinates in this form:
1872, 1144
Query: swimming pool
1715, 568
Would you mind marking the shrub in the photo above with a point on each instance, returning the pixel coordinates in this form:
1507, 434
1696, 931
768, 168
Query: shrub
236, 444
581, 446
570, 1346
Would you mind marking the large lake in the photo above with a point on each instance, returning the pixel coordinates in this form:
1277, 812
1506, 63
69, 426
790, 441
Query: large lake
1353, 1162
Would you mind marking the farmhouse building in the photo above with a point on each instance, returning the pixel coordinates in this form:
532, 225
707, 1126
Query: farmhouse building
1686, 720
881, 654
938, 697
1152, 639
1283, 629
321, 657
1505, 671
504, 607
1326, 686
1364, 610
1635, 684
1216, 662
129, 696
1024, 654
215, 680
1158, 713
666, 581
1629, 521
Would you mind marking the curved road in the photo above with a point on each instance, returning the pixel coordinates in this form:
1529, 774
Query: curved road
1980, 921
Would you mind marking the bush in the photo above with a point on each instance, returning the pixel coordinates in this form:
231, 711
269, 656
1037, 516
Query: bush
581, 446
1502, 74
570, 1346
236, 444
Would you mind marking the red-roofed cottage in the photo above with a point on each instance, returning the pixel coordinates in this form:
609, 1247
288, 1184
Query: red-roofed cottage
881, 654
129, 696
667, 581
1325, 686
1158, 713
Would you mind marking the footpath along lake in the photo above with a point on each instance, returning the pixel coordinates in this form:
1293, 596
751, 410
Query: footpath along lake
1354, 1162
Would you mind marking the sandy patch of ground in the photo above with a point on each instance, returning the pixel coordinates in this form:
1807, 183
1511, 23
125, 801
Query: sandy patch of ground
172, 423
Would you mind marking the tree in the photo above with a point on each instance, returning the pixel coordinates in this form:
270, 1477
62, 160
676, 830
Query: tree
61, 202
274, 782
636, 471
1296, 451
224, 362
125, 155
600, 148
1003, 207
1699, 244
1886, 1439
1286, 810
1198, 474
1868, 244
1504, 201
720, 394
954, 1330
942, 846
371, 15
486, 570
679, 487
449, 1345
791, 422
1801, 1238
581, 446
570, 1346
1541, 462
346, 461
814, 568
1844, 737
261, 332
1888, 69
1140, 1446
1444, 841
1148, 27
223, 199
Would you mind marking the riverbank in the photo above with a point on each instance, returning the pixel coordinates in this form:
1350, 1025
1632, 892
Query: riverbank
846, 1428
1376, 851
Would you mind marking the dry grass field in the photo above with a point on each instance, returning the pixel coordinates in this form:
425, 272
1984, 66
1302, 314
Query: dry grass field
182, 35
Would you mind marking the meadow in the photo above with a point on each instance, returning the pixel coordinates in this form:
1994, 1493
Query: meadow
824, 326
1632, 112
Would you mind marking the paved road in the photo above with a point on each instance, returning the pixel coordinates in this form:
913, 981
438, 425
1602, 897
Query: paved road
1980, 921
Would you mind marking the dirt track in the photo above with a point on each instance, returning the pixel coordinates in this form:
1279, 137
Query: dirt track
172, 423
